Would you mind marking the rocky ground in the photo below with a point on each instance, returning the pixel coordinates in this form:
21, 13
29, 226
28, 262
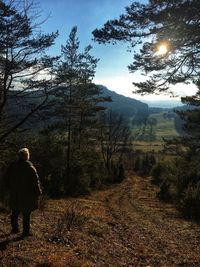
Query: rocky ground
122, 225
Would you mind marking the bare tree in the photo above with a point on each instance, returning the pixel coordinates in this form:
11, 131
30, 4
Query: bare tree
114, 136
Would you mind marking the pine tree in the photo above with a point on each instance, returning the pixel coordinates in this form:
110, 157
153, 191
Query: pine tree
24, 65
173, 24
79, 98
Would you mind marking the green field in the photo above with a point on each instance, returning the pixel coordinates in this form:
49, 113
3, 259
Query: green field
165, 128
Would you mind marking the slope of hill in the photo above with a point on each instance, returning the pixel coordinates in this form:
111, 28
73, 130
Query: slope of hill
126, 106
122, 225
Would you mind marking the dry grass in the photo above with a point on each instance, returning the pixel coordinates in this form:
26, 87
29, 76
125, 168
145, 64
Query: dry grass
124, 225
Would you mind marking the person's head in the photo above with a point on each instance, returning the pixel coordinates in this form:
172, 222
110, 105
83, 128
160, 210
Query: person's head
24, 154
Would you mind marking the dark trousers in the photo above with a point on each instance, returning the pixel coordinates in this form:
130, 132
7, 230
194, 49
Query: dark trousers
26, 221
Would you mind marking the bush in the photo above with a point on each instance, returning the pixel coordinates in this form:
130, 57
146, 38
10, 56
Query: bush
165, 192
190, 203
156, 173
86, 167
118, 173
137, 164
165, 174
144, 163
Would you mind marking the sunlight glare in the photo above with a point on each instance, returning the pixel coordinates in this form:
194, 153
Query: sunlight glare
162, 50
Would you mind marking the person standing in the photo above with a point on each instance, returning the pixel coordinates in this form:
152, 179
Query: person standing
22, 182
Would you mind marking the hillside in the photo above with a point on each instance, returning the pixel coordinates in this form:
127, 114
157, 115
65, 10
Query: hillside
126, 106
122, 225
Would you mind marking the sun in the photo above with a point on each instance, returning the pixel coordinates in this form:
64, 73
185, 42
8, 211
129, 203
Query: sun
162, 49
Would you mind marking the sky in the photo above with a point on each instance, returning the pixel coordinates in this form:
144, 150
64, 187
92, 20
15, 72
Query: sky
88, 15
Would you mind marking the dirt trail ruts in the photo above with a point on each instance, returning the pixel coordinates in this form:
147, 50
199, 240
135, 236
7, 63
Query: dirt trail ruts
148, 232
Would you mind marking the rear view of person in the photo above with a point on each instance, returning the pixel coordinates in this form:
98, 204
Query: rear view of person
22, 182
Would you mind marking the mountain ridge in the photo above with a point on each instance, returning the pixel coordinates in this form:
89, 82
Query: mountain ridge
126, 106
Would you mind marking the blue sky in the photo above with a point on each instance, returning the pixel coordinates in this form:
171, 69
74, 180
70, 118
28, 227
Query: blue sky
87, 15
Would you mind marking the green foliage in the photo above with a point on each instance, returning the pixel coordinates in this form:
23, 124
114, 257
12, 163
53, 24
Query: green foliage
164, 174
179, 181
156, 127
190, 202
174, 24
116, 174
156, 172
137, 165
22, 58
76, 110
7, 156
49, 155
144, 162
121, 173
87, 172
165, 192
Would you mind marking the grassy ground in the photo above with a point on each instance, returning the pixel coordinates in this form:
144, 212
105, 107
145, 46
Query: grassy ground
148, 146
165, 128
123, 225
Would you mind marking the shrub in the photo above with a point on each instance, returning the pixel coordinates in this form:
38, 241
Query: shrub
144, 162
190, 203
156, 173
167, 179
118, 174
137, 164
164, 193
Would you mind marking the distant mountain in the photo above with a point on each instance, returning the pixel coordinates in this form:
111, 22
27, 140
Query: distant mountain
163, 103
126, 106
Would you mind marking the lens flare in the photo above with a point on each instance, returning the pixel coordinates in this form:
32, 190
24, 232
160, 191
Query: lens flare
162, 49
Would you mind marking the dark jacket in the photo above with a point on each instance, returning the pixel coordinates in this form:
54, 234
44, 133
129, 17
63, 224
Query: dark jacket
22, 181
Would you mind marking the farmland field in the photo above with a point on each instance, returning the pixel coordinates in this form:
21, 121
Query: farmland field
165, 128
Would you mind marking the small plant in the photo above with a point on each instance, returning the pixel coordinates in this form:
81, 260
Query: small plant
72, 217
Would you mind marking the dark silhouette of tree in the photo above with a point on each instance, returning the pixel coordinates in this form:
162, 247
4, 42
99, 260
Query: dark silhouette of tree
140, 121
152, 122
24, 65
79, 98
174, 24
191, 123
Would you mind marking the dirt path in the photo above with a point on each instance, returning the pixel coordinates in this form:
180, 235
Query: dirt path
147, 231
125, 225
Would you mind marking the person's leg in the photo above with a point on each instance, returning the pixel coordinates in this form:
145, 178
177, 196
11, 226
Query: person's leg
14, 221
26, 223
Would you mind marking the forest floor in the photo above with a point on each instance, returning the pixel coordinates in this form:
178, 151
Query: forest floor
122, 225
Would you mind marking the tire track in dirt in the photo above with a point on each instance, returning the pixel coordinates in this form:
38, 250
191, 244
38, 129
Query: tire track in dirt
148, 236
129, 231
